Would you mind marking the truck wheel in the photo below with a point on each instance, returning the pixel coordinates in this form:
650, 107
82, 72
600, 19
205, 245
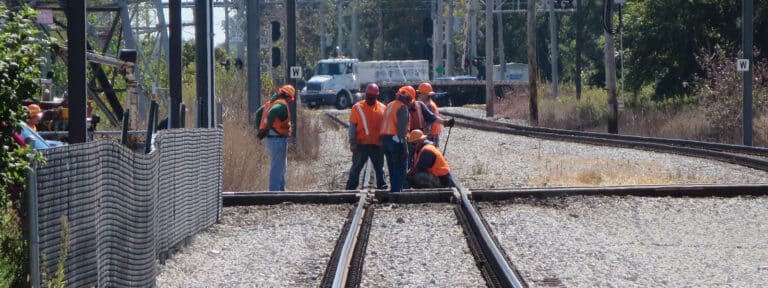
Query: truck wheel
343, 101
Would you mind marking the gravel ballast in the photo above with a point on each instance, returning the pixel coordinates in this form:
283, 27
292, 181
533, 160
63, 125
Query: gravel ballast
418, 245
283, 245
635, 241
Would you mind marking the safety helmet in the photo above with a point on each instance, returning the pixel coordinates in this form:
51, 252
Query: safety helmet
415, 135
425, 89
372, 89
34, 111
288, 91
408, 92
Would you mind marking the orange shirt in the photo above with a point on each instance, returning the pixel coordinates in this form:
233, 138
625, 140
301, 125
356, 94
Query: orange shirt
368, 119
436, 127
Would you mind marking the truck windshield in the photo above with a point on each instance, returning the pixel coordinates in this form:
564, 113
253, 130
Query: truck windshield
330, 69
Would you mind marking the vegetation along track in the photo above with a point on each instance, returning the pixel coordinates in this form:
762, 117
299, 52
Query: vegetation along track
753, 157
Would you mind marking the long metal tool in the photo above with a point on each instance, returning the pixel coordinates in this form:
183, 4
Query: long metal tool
445, 147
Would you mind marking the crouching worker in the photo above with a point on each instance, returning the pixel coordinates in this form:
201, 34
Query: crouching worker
430, 170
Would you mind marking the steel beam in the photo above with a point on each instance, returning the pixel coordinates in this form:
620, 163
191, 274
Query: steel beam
174, 63
76, 69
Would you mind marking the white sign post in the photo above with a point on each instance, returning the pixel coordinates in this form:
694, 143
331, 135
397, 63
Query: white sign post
742, 65
295, 72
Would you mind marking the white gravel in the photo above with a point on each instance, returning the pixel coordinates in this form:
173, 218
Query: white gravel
635, 241
283, 245
418, 245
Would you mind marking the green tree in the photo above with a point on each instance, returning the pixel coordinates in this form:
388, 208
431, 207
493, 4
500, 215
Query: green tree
19, 74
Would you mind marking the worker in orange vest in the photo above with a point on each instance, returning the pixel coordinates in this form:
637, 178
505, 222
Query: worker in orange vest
394, 129
365, 137
430, 169
275, 124
426, 95
35, 115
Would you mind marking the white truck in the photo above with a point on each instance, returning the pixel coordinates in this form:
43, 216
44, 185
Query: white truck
340, 81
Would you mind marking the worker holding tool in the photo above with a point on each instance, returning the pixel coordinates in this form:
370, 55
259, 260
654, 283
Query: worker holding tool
364, 137
426, 95
394, 129
430, 169
274, 122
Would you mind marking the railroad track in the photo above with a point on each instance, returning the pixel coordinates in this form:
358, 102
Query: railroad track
346, 266
753, 157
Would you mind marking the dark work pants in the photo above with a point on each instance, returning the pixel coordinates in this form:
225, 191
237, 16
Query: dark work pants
395, 162
363, 153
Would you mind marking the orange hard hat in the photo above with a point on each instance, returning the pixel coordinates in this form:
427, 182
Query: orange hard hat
288, 91
407, 91
425, 89
35, 111
415, 135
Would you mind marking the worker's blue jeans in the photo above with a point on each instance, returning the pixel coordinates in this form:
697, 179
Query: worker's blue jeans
363, 153
396, 162
276, 147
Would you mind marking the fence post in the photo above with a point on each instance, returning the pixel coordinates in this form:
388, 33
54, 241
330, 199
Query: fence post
126, 125
151, 126
183, 116
34, 237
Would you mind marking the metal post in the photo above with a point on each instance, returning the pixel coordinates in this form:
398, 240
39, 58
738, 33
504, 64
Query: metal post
183, 116
174, 64
34, 237
203, 62
489, 93
76, 70
553, 45
126, 127
500, 40
254, 60
437, 40
449, 57
290, 55
533, 73
472, 35
226, 27
339, 23
151, 124
355, 30
746, 46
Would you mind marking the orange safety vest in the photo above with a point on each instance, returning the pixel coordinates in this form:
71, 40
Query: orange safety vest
440, 167
368, 119
389, 126
417, 118
436, 127
282, 127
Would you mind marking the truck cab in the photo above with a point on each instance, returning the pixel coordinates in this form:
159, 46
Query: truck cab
334, 83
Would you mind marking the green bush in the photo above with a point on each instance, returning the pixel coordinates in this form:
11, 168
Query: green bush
19, 74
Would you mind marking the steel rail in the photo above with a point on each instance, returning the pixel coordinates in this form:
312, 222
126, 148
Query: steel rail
693, 191
722, 147
733, 158
500, 267
271, 198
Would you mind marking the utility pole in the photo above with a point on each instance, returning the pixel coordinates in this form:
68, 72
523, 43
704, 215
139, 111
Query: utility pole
254, 59
437, 56
489, 95
449, 54
472, 33
500, 30
746, 46
226, 26
578, 18
533, 73
610, 70
339, 24
380, 26
323, 38
354, 38
553, 45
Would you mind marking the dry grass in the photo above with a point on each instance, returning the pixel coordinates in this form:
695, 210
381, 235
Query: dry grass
246, 161
602, 172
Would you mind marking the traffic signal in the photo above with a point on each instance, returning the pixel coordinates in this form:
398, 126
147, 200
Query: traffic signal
275, 31
275, 37
275, 56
